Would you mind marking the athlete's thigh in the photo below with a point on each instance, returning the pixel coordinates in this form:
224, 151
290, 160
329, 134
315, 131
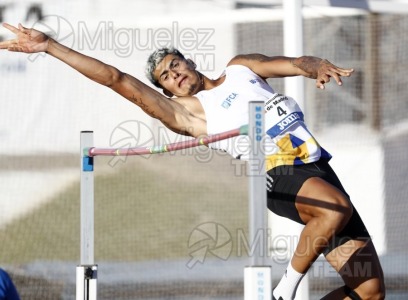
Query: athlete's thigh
318, 197
358, 264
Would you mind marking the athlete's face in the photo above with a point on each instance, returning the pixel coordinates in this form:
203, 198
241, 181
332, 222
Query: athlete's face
178, 76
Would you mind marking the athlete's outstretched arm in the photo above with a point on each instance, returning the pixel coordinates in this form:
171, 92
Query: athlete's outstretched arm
280, 66
171, 113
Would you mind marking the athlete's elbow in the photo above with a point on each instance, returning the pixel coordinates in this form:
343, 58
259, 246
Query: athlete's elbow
114, 78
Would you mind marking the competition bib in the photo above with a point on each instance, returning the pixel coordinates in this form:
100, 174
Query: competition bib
283, 112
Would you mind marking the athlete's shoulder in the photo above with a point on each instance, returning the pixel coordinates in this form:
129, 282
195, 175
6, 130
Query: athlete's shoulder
247, 60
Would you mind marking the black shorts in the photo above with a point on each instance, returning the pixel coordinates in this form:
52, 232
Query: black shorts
286, 183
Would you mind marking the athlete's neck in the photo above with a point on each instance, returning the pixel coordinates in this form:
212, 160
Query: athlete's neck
209, 84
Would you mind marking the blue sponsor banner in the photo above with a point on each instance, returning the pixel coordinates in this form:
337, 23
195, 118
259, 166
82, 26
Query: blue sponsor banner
285, 123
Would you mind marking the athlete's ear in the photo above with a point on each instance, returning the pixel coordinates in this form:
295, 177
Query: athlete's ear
191, 63
167, 93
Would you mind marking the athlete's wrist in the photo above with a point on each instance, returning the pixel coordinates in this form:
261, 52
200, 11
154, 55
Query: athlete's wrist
309, 65
48, 45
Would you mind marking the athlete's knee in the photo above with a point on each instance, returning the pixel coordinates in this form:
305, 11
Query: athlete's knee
351, 293
370, 290
333, 206
339, 214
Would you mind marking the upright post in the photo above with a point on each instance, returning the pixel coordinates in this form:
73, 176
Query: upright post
87, 270
294, 87
257, 276
293, 46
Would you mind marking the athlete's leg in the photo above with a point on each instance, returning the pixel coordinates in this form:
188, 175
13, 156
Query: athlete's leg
313, 195
325, 210
329, 217
358, 264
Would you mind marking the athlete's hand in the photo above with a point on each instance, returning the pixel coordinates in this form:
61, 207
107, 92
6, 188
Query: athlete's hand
327, 70
27, 40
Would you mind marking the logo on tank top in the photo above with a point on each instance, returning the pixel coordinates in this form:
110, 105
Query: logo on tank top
255, 80
228, 101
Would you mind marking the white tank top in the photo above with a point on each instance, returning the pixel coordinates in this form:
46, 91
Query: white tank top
288, 140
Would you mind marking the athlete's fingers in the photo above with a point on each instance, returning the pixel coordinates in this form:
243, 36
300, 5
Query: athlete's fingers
24, 29
344, 72
11, 28
8, 44
336, 77
3, 45
320, 84
15, 49
338, 73
326, 78
329, 70
321, 80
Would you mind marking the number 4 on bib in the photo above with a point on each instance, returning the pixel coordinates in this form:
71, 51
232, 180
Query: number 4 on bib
281, 111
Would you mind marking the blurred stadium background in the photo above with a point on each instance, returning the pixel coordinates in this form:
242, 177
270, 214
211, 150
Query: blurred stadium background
156, 214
